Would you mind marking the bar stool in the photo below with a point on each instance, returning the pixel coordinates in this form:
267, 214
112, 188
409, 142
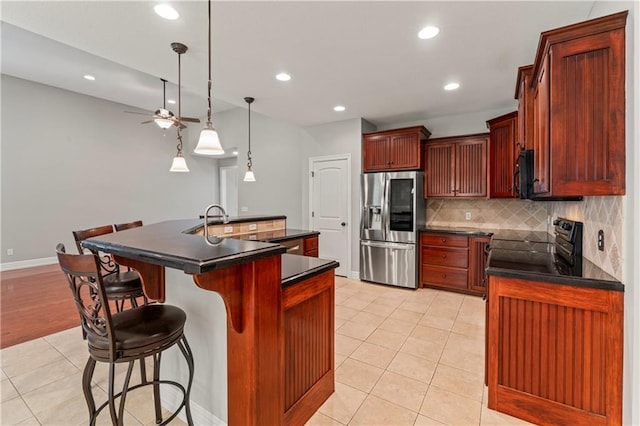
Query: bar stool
128, 225
126, 336
120, 285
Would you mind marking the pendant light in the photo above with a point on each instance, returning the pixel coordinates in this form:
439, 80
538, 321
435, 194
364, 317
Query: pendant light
179, 164
249, 176
209, 142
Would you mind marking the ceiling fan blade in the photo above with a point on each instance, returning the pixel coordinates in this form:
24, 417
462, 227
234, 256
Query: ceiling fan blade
139, 113
147, 122
189, 119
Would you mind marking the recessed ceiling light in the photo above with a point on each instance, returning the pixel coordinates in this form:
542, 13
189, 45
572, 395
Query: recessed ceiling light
283, 76
428, 32
339, 108
171, 101
166, 11
89, 77
451, 86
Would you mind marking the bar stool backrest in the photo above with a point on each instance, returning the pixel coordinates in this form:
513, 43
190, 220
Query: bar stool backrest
128, 225
107, 265
85, 282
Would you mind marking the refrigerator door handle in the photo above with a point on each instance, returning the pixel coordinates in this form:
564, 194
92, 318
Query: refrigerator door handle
396, 246
385, 208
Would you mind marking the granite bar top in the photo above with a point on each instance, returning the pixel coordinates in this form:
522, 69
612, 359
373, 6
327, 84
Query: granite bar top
296, 268
171, 245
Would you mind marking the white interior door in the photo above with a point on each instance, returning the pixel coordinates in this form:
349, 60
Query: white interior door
229, 189
330, 196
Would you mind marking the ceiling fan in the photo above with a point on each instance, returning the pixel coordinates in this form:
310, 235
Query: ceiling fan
162, 116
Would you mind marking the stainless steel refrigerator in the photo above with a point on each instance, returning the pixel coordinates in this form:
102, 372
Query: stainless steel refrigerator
393, 209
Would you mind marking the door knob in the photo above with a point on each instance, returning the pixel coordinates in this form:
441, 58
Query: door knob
343, 224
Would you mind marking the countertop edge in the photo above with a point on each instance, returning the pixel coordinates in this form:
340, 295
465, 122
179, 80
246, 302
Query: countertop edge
557, 279
454, 231
295, 279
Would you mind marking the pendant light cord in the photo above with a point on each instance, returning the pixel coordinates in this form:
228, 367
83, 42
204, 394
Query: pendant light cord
179, 146
249, 163
209, 85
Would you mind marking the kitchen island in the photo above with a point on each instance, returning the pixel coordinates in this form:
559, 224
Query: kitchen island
270, 347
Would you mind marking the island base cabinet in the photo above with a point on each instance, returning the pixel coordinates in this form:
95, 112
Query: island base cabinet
308, 347
555, 352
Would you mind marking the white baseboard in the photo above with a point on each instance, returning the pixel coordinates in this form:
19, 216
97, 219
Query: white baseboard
170, 398
355, 275
9, 266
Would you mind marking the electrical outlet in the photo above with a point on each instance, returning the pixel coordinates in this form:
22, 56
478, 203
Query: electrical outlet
228, 229
253, 226
9, 252
601, 240
244, 209
467, 215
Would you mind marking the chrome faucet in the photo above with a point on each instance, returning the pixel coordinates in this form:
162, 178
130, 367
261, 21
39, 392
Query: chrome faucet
225, 219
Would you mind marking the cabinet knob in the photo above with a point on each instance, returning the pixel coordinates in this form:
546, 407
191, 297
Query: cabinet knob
444, 256
444, 240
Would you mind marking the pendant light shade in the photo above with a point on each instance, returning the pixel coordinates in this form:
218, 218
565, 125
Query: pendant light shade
249, 176
209, 142
163, 123
179, 164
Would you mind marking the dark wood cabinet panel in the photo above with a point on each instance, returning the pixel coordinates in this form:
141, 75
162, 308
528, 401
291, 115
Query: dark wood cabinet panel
399, 149
478, 247
555, 352
524, 95
439, 171
502, 155
452, 262
456, 167
579, 109
310, 246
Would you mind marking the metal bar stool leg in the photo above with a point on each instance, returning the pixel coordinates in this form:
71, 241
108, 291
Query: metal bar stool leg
87, 375
125, 388
156, 387
111, 396
188, 355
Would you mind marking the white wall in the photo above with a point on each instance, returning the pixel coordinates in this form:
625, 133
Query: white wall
276, 154
71, 161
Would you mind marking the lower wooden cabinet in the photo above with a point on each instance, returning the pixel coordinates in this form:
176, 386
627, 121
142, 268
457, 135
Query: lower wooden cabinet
453, 262
310, 246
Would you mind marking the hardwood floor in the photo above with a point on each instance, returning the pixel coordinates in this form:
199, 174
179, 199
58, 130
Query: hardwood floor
34, 302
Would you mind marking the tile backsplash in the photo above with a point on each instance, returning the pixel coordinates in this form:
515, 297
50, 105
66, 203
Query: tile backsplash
488, 214
595, 212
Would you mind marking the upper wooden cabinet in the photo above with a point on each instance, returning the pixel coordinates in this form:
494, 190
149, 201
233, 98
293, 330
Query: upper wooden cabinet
456, 167
579, 109
524, 95
503, 153
398, 149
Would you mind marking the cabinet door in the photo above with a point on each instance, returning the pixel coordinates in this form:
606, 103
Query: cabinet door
375, 153
541, 131
440, 170
477, 263
502, 158
524, 137
587, 115
404, 151
471, 168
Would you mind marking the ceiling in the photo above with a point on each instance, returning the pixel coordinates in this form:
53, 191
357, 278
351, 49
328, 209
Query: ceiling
364, 55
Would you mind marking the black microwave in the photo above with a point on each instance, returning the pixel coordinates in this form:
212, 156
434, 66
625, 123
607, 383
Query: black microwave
523, 175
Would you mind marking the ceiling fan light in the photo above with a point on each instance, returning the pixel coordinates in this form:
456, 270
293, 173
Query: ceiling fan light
209, 142
249, 176
179, 164
163, 123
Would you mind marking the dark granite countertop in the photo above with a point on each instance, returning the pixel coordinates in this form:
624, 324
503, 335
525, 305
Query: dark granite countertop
240, 219
277, 236
530, 255
297, 268
170, 244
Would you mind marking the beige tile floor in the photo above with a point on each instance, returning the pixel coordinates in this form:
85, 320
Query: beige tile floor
403, 357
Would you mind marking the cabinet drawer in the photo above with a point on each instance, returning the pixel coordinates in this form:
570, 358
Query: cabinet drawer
310, 243
445, 240
444, 256
444, 277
